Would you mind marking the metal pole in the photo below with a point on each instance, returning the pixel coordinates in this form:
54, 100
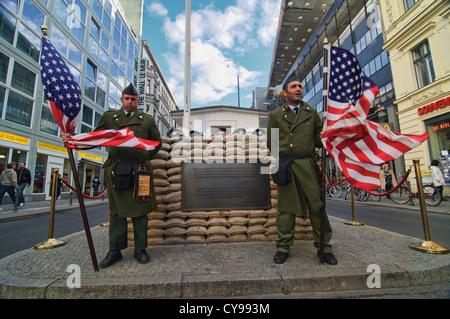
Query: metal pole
353, 222
426, 246
187, 71
326, 47
83, 210
51, 242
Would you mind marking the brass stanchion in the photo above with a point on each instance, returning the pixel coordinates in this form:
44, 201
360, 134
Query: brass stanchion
353, 222
426, 246
107, 223
52, 242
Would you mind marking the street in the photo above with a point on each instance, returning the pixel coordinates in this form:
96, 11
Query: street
24, 234
397, 220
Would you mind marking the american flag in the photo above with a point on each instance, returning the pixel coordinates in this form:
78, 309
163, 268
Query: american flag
64, 96
357, 145
61, 88
121, 138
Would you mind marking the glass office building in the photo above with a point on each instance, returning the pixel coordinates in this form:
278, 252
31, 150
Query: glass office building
99, 46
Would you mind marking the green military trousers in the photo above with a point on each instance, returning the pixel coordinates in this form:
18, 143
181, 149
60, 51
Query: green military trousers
286, 230
118, 232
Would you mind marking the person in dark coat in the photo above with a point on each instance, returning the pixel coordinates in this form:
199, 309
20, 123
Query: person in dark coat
122, 204
24, 180
299, 128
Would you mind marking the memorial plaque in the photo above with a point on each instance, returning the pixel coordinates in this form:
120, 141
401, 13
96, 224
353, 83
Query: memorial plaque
224, 186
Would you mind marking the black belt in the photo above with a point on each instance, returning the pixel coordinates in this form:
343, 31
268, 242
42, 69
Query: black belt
293, 157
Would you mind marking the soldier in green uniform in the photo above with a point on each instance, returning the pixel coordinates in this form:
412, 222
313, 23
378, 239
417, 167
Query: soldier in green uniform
122, 204
299, 134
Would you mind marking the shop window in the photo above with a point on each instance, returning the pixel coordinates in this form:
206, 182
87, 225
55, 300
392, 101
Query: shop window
39, 174
18, 157
439, 130
4, 154
423, 65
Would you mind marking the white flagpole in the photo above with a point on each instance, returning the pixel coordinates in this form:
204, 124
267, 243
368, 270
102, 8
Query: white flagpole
187, 71
326, 51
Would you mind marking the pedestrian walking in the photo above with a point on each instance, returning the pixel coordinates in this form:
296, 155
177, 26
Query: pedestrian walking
437, 177
8, 181
24, 180
387, 178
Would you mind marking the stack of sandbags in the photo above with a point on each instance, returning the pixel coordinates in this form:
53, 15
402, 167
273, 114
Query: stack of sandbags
169, 225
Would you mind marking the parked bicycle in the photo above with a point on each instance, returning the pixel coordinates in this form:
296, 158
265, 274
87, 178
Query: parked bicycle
334, 190
404, 194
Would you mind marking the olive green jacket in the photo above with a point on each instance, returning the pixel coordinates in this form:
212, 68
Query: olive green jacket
298, 134
144, 126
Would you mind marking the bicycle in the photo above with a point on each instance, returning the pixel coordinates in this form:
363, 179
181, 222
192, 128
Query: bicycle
403, 194
359, 193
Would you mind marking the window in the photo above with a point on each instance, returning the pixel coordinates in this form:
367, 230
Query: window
73, 15
7, 25
89, 119
95, 84
423, 65
409, 4
48, 123
4, 62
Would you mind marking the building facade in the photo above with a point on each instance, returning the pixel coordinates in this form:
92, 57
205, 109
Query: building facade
417, 39
155, 97
352, 25
103, 52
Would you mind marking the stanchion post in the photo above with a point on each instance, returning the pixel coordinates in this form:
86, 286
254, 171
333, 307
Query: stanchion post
52, 242
353, 222
426, 246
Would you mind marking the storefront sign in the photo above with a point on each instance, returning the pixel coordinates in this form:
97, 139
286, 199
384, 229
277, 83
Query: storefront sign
434, 106
14, 138
441, 126
90, 156
52, 147
142, 82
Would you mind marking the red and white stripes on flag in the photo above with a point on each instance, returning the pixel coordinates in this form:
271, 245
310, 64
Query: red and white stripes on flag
357, 145
115, 138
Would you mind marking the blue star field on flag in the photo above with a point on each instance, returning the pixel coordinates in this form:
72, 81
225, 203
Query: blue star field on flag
61, 88
347, 81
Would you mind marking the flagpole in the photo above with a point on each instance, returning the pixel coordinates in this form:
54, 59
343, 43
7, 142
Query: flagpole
80, 196
326, 47
187, 70
83, 209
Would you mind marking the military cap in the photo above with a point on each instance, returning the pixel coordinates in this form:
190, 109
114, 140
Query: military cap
291, 77
130, 90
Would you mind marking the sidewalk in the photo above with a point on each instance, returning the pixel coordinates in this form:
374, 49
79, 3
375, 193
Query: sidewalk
232, 270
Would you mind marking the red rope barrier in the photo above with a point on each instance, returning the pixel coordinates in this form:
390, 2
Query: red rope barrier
395, 188
335, 183
84, 195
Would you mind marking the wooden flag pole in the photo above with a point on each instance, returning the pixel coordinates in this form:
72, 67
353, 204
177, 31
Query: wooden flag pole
324, 151
83, 209
78, 190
